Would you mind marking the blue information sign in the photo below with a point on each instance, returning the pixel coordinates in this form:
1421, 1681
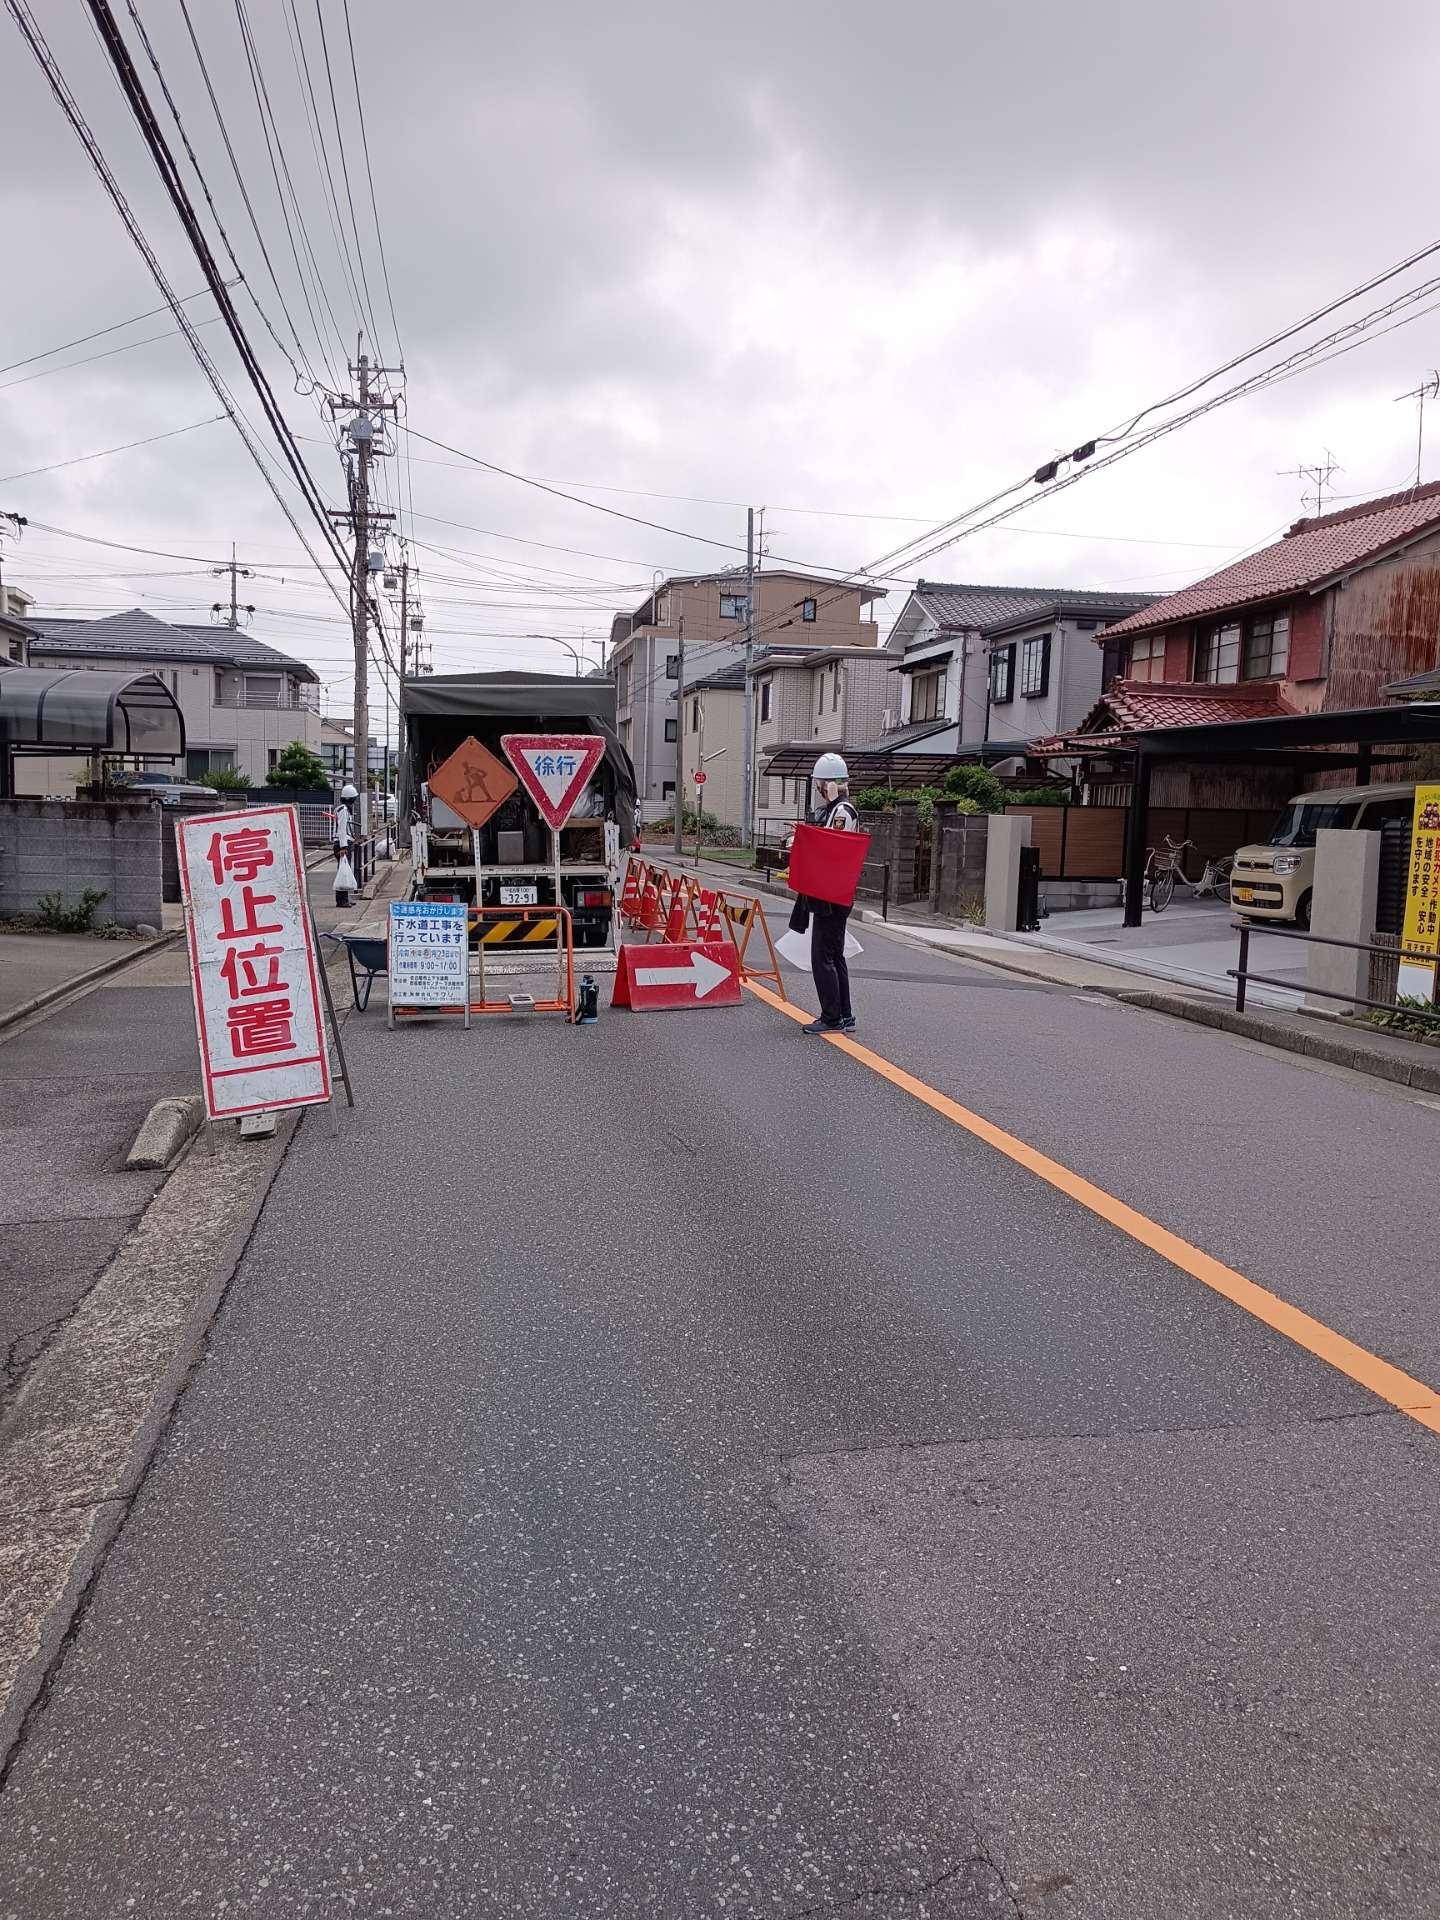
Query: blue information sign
429, 953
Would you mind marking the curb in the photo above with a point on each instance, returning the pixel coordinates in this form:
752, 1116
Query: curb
80, 981
1336, 1049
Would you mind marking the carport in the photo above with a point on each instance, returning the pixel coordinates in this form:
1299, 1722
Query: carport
1356, 739
52, 710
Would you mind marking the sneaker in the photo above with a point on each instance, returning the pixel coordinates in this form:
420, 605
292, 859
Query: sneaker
847, 1025
821, 1025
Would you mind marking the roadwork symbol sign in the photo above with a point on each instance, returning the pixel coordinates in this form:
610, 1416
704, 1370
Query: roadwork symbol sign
554, 769
472, 782
683, 974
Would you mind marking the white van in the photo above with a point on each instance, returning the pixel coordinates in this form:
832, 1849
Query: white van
1274, 881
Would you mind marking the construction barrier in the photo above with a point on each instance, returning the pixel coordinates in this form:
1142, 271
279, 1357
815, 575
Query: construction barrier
510, 930
563, 951
679, 975
670, 908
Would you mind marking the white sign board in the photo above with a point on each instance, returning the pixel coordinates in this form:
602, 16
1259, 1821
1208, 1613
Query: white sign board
429, 953
252, 962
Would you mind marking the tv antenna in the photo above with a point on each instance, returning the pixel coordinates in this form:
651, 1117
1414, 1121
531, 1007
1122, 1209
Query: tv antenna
1319, 474
1428, 389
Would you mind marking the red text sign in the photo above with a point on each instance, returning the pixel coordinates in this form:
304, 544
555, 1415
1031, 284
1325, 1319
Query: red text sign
684, 973
554, 769
252, 962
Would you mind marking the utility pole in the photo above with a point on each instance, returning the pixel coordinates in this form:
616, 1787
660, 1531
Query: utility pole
237, 573
402, 779
680, 738
699, 768
362, 516
747, 800
18, 522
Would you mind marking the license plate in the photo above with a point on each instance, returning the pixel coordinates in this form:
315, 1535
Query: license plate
1243, 894
513, 894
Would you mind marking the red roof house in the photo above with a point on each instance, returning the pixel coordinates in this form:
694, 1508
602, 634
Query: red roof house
1343, 605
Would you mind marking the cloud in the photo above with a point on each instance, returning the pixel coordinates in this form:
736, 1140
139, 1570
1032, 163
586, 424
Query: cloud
809, 256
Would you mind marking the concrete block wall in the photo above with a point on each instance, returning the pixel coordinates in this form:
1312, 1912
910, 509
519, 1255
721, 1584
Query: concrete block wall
54, 846
957, 862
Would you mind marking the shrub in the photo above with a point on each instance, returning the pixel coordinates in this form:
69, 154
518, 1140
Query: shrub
299, 768
1407, 1016
1039, 797
977, 784
875, 799
59, 918
226, 780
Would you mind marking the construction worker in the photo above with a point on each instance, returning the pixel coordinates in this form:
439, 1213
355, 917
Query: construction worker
827, 937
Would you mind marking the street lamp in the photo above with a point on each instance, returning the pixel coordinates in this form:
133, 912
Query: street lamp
555, 638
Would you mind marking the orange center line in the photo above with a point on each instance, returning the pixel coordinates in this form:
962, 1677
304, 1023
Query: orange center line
1406, 1394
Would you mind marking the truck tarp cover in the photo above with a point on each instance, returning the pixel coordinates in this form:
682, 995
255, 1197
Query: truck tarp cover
547, 702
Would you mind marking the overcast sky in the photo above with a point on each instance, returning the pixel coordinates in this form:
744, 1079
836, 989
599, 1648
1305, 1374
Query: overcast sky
858, 265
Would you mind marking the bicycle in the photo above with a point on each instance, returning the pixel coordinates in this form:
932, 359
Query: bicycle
1162, 873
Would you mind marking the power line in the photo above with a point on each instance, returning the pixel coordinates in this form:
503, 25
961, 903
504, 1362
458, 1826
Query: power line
370, 177
245, 195
170, 333
345, 170
280, 164
100, 333
153, 58
130, 86
103, 452
299, 54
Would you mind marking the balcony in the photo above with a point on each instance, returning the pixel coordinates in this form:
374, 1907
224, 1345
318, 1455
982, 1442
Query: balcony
270, 699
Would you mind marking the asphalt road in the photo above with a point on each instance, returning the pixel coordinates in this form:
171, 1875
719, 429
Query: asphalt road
665, 1469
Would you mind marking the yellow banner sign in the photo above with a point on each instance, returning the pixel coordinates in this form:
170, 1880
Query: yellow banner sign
1422, 896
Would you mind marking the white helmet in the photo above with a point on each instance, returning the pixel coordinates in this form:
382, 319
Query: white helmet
831, 767
348, 792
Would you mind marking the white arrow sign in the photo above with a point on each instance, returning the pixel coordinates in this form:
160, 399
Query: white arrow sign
699, 967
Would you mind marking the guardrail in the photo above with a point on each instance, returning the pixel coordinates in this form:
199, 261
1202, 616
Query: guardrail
1242, 975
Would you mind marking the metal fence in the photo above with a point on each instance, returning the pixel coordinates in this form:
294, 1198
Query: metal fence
1386, 955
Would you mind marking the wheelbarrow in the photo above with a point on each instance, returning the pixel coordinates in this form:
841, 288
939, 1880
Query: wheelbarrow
368, 958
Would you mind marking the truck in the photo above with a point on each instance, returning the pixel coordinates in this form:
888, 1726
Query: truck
517, 858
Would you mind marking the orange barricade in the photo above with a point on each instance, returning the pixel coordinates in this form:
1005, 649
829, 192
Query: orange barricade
675, 909
631, 896
564, 1000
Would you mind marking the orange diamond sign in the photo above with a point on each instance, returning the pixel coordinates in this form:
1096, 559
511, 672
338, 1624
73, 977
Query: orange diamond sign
473, 782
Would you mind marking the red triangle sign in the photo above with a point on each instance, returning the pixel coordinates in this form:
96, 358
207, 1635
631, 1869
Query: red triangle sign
554, 769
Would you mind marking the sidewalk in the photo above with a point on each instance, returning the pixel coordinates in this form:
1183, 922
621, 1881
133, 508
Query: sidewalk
38, 968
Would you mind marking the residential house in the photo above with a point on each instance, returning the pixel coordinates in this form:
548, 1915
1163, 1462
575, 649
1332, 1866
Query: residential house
1341, 611
645, 651
16, 632
242, 701
972, 659
829, 696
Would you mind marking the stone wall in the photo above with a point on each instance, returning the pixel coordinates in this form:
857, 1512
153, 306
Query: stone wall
55, 846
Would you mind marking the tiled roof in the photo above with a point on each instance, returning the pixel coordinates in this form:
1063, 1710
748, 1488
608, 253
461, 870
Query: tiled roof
971, 607
137, 635
1419, 686
1137, 706
1311, 552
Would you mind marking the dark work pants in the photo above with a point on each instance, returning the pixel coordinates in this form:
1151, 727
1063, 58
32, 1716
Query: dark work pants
828, 964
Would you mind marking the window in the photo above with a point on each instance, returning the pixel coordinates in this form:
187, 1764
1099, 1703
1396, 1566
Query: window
1002, 675
622, 684
695, 715
1035, 667
835, 689
807, 609
1267, 646
1147, 658
820, 695
927, 696
1217, 653
765, 699
662, 611
667, 790
671, 729
672, 666
733, 606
